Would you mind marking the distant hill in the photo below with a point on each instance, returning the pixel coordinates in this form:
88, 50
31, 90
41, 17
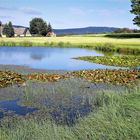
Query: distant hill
86, 30
18, 26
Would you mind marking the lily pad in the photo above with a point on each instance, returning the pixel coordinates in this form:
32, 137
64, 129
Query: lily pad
119, 77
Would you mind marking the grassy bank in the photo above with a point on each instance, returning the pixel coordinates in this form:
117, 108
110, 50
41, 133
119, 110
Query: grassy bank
98, 42
116, 118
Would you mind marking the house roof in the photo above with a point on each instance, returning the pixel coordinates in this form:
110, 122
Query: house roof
50, 33
20, 31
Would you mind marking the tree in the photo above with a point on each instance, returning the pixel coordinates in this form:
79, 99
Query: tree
38, 27
49, 28
0, 28
5, 29
123, 30
8, 30
136, 11
11, 30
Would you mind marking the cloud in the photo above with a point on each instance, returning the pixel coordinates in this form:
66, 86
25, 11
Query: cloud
25, 10
7, 8
100, 12
5, 17
77, 11
30, 11
108, 12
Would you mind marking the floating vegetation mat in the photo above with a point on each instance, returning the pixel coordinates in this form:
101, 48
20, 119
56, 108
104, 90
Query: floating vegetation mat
115, 77
124, 61
118, 77
8, 78
45, 77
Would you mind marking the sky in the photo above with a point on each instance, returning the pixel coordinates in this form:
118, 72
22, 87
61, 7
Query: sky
68, 13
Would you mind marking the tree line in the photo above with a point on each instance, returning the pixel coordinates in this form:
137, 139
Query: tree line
38, 27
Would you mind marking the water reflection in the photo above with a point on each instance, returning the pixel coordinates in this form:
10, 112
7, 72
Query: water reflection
13, 107
37, 57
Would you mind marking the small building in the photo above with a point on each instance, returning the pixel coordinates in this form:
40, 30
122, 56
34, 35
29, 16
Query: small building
19, 31
22, 31
51, 34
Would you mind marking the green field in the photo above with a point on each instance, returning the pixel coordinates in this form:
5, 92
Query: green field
89, 41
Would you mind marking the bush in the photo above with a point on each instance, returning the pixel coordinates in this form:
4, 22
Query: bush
124, 35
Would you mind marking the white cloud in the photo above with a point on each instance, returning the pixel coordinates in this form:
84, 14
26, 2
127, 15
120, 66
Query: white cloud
77, 11
30, 11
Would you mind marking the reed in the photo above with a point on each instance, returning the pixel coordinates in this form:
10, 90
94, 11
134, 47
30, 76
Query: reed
116, 118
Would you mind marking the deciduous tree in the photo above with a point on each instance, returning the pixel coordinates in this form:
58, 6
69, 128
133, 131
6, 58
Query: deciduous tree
8, 30
38, 27
136, 11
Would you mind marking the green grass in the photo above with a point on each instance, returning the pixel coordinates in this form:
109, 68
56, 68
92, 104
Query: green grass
117, 118
98, 42
125, 61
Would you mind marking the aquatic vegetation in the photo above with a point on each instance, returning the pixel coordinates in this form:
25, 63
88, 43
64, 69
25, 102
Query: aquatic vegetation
45, 77
125, 61
122, 77
117, 118
8, 78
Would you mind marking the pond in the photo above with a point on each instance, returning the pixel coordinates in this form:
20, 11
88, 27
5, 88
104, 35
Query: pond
63, 102
49, 58
12, 106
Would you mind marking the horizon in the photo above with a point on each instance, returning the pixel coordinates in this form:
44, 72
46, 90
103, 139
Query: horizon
79, 14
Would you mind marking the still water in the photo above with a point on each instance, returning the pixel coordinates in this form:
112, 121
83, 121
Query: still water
49, 58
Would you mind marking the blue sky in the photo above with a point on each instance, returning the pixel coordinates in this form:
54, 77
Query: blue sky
68, 13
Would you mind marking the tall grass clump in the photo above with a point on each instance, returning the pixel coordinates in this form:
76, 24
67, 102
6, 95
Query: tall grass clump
128, 51
26, 43
107, 47
9, 43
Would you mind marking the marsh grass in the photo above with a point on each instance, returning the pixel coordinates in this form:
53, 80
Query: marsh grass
124, 61
116, 118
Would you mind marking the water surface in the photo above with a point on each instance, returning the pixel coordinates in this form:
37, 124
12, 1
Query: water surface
12, 106
49, 58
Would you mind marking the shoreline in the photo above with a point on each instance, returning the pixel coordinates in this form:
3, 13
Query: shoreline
104, 44
27, 70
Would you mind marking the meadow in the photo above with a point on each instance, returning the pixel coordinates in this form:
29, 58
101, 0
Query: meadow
98, 42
